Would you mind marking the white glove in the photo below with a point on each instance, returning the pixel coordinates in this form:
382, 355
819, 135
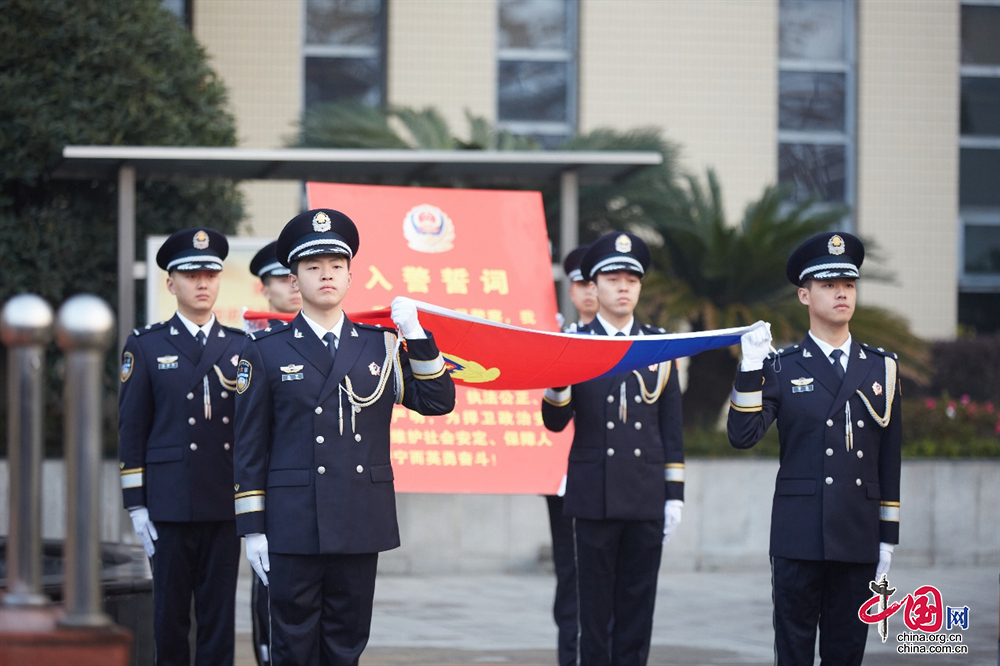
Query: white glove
755, 344
404, 315
144, 528
671, 518
884, 559
257, 554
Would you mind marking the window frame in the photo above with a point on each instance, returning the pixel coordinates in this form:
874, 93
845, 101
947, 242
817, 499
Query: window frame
334, 51
976, 215
849, 136
570, 55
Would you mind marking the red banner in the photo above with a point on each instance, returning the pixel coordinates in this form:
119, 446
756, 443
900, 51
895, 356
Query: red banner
484, 253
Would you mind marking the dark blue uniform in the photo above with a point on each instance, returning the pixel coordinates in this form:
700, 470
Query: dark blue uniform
626, 460
313, 473
176, 459
837, 491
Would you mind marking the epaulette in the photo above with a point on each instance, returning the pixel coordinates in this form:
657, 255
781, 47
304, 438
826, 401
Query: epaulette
148, 327
270, 330
786, 351
653, 330
373, 327
233, 329
879, 350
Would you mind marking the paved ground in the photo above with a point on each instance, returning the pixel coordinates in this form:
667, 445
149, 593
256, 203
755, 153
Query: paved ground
702, 619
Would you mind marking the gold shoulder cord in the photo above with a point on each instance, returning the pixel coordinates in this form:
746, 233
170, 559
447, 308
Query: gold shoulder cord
228, 384
662, 375
890, 394
389, 365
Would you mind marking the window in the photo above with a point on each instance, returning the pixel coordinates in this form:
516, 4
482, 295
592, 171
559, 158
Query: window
979, 166
816, 91
537, 68
344, 51
179, 8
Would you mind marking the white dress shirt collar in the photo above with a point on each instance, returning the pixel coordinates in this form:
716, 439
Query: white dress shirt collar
610, 328
826, 348
320, 331
193, 328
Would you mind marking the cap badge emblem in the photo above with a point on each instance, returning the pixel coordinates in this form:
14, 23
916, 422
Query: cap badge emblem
877, 388
623, 244
321, 222
835, 245
201, 240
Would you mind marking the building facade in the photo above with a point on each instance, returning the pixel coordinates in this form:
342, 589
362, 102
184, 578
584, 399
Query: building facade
888, 106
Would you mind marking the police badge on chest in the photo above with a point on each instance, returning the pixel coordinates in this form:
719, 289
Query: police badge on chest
166, 362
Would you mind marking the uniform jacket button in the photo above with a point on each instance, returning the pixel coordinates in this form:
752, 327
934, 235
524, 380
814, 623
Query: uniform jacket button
226, 446
611, 425
360, 469
320, 439
357, 437
829, 480
611, 399
637, 452
829, 423
861, 454
638, 398
829, 452
858, 482
225, 394
321, 469
192, 420
319, 410
611, 452
194, 447
225, 419
861, 424
190, 396
638, 426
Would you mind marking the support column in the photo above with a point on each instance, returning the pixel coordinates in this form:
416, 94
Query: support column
569, 233
126, 253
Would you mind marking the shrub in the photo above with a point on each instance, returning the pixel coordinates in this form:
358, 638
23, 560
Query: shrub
945, 427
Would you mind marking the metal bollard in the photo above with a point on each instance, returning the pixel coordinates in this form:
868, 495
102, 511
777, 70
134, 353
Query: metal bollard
84, 330
25, 327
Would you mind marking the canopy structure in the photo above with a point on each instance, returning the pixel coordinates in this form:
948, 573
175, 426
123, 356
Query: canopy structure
471, 168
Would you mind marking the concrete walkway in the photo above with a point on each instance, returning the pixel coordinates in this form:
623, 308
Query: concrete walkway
702, 618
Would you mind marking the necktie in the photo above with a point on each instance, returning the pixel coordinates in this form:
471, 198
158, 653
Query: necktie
201, 337
331, 344
621, 333
837, 365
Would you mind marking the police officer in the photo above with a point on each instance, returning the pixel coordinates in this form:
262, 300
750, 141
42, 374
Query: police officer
835, 515
176, 410
625, 484
583, 295
314, 492
277, 287
282, 296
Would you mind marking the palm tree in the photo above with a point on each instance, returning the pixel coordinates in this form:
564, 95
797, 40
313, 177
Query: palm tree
719, 275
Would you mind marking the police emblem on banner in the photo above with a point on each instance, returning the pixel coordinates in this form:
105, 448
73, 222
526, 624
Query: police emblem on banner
469, 371
127, 361
243, 372
428, 229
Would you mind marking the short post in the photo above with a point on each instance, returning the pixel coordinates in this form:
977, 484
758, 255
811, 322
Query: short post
25, 328
85, 328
